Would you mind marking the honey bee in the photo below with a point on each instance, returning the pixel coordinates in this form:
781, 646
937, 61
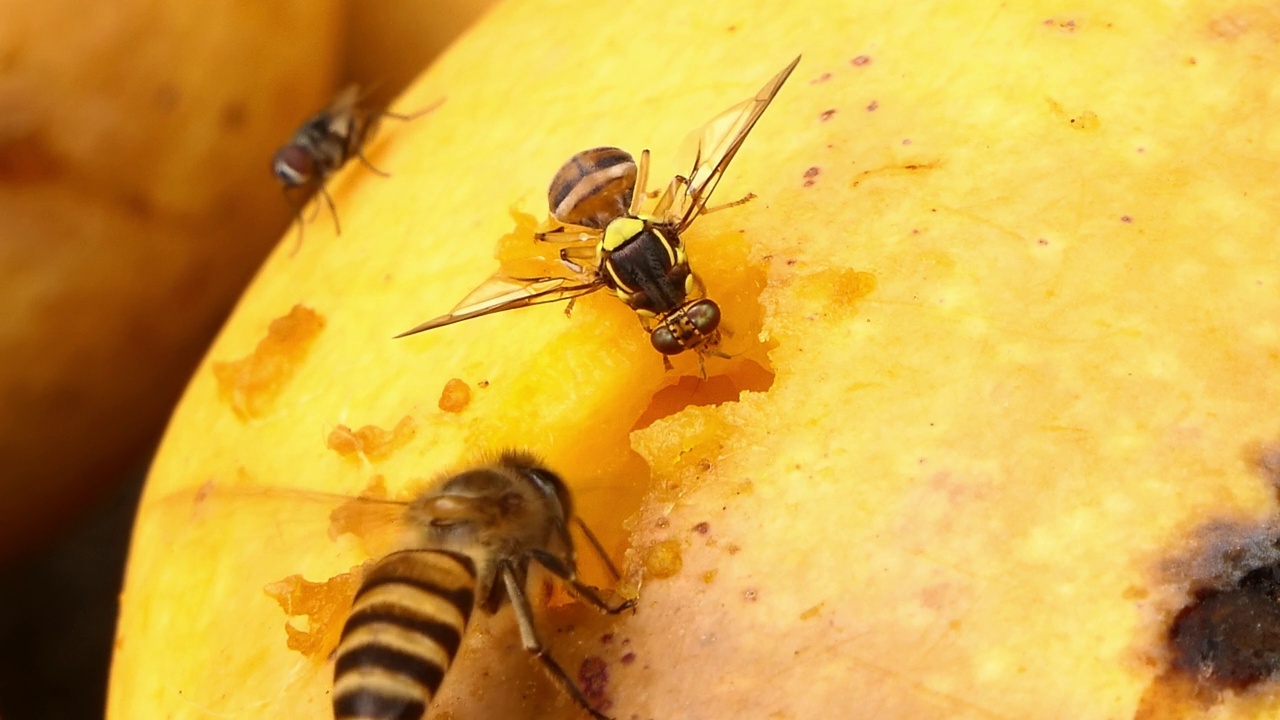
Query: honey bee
607, 243
324, 143
473, 540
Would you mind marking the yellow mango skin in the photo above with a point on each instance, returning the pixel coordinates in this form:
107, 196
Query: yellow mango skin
1023, 317
137, 200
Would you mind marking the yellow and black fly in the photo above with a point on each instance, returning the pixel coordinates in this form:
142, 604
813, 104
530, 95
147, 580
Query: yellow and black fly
324, 143
607, 242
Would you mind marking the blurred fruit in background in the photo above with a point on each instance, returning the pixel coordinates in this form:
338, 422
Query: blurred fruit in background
136, 201
135, 141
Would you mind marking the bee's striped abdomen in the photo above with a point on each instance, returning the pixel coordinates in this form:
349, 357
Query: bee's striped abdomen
403, 632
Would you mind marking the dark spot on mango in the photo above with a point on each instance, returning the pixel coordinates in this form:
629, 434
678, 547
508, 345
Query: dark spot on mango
593, 680
1230, 637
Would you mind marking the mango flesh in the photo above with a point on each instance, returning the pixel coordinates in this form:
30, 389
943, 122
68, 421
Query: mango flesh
1004, 322
135, 141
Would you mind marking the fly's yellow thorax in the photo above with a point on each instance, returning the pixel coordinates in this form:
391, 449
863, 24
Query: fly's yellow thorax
619, 231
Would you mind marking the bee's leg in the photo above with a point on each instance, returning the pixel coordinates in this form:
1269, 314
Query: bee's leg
569, 574
337, 227
529, 639
600, 553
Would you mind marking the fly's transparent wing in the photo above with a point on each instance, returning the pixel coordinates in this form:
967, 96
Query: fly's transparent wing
720, 140
342, 110
503, 292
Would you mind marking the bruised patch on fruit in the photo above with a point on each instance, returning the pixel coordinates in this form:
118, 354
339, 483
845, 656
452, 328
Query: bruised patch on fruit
455, 396
1230, 637
745, 376
371, 442
811, 176
325, 605
1225, 636
593, 680
251, 384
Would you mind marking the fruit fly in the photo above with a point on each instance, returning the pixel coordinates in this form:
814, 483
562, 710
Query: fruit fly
324, 143
607, 243
471, 543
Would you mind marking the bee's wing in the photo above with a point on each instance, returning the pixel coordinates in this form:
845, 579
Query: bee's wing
503, 292
685, 198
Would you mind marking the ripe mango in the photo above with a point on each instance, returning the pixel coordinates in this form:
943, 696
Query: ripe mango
1004, 320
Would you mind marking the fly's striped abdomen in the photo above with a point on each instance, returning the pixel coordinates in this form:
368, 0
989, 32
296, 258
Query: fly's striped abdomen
593, 188
403, 632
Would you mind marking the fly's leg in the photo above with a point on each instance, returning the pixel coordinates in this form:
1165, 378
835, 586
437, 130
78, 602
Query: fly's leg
372, 168
333, 211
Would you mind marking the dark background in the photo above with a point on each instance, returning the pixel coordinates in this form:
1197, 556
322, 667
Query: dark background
58, 615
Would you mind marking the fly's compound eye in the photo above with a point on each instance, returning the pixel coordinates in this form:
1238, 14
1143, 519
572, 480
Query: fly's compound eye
704, 315
686, 328
665, 341
293, 165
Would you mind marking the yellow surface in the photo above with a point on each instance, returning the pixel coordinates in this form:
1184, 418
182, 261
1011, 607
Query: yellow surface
1007, 308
